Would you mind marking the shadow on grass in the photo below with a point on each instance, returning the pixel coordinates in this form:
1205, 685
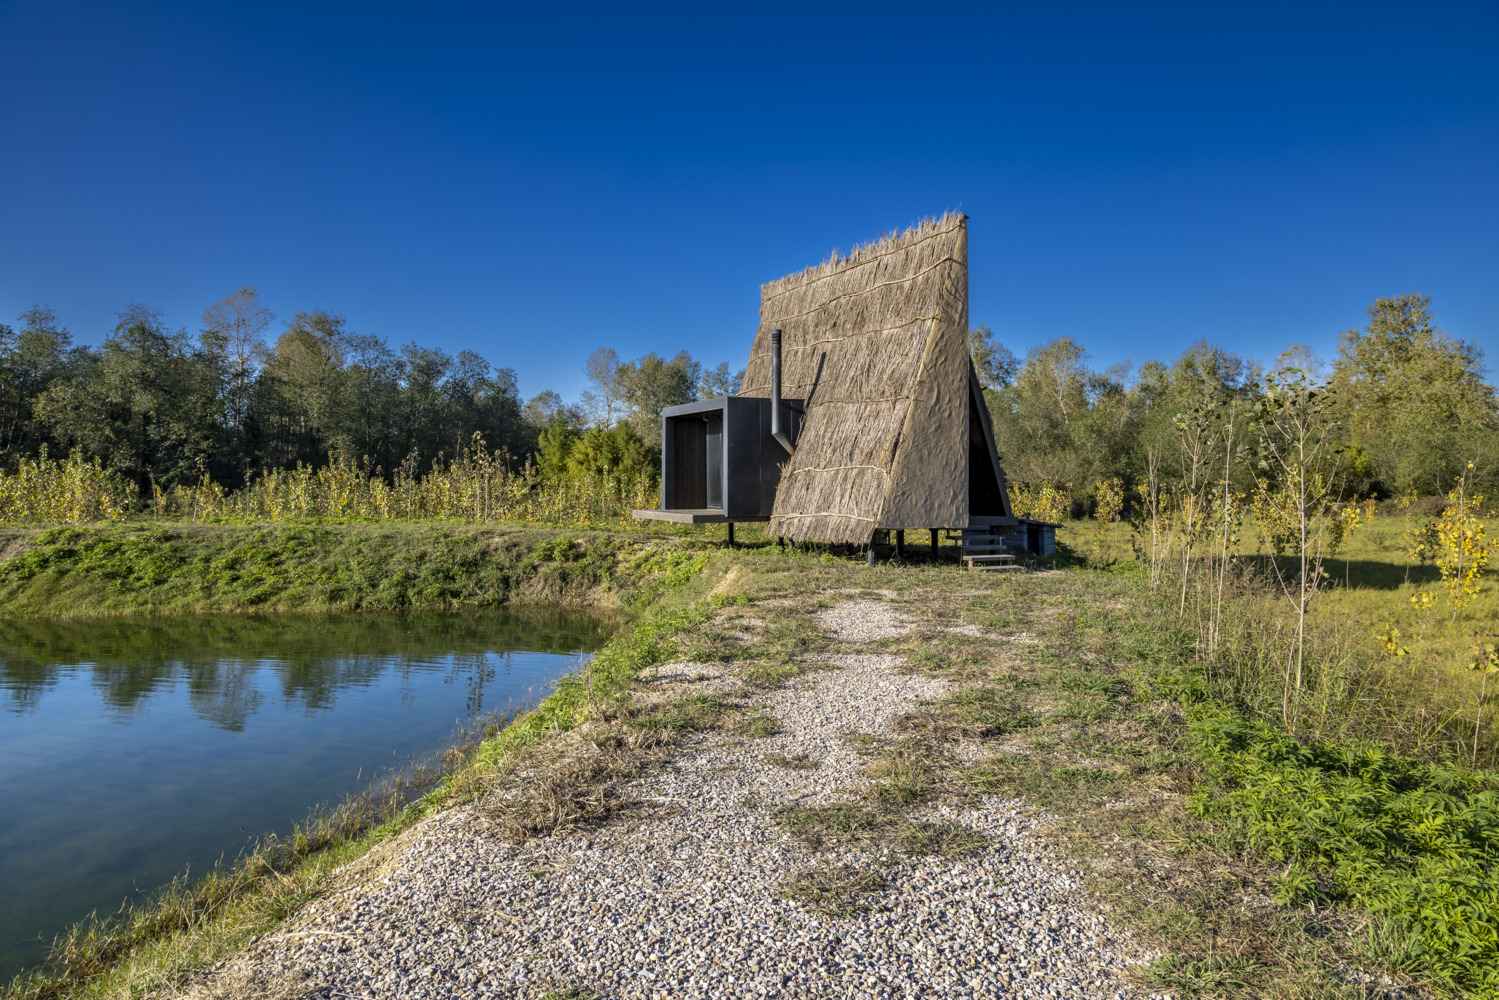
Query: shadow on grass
1367, 574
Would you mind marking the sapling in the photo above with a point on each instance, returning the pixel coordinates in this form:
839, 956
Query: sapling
1485, 661
1295, 423
1462, 545
1108, 503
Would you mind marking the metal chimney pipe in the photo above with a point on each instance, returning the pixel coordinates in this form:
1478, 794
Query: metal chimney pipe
776, 430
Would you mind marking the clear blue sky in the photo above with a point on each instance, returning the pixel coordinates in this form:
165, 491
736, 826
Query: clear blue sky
534, 181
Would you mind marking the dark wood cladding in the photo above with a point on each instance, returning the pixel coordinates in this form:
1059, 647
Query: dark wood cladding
749, 463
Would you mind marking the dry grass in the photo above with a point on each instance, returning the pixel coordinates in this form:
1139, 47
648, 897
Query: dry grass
755, 727
833, 890
940, 839
904, 772
1053, 695
792, 762
848, 825
880, 827
581, 780
238, 982
781, 646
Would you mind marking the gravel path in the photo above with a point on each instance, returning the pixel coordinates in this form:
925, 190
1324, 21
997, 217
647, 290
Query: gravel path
682, 902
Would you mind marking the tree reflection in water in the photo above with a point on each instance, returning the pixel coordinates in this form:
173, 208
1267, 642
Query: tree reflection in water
226, 662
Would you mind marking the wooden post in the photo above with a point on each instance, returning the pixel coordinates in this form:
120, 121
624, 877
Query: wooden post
870, 554
934, 545
731, 534
900, 543
781, 542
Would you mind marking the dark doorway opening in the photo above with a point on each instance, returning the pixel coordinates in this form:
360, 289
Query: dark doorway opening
690, 449
985, 499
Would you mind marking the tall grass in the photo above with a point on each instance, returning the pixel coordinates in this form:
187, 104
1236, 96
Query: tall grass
1351, 683
72, 492
478, 485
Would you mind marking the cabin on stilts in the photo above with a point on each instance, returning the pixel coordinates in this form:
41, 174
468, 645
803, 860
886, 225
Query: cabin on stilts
860, 415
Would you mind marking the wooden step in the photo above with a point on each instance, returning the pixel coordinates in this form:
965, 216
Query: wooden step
996, 567
985, 548
998, 558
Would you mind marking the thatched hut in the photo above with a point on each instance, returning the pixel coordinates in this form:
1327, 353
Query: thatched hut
894, 433
877, 421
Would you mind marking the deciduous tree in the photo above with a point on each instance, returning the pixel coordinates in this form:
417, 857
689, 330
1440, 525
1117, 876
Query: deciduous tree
235, 326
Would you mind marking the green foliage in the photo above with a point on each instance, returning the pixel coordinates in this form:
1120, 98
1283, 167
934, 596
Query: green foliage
474, 486
1414, 841
994, 363
614, 451
1207, 977
161, 406
652, 383
555, 449
31, 360
1414, 402
1414, 398
145, 404
73, 491
124, 561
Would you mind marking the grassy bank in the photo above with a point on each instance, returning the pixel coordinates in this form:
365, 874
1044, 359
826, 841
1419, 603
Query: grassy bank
163, 568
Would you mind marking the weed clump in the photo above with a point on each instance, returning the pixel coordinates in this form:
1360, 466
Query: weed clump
832, 890
866, 827
756, 727
792, 762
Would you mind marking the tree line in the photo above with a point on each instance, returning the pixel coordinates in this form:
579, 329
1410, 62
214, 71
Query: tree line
1408, 404
164, 407
1407, 408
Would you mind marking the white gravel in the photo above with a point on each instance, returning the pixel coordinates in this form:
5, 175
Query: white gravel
683, 904
858, 622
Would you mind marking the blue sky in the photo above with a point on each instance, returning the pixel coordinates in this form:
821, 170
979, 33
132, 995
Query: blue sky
534, 183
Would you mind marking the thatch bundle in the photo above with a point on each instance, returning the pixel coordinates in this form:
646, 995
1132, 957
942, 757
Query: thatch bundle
876, 344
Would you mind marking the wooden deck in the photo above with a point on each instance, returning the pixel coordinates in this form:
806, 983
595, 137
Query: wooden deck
709, 515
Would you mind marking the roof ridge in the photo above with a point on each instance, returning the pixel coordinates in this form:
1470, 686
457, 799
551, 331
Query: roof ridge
861, 254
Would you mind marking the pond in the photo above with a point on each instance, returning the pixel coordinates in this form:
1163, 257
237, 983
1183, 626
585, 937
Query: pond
133, 749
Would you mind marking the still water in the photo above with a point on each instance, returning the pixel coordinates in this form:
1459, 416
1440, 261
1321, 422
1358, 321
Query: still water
130, 750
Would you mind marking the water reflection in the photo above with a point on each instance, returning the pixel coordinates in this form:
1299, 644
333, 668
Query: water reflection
224, 662
133, 749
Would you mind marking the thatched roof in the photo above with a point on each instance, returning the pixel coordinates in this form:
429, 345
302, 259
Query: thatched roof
876, 343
